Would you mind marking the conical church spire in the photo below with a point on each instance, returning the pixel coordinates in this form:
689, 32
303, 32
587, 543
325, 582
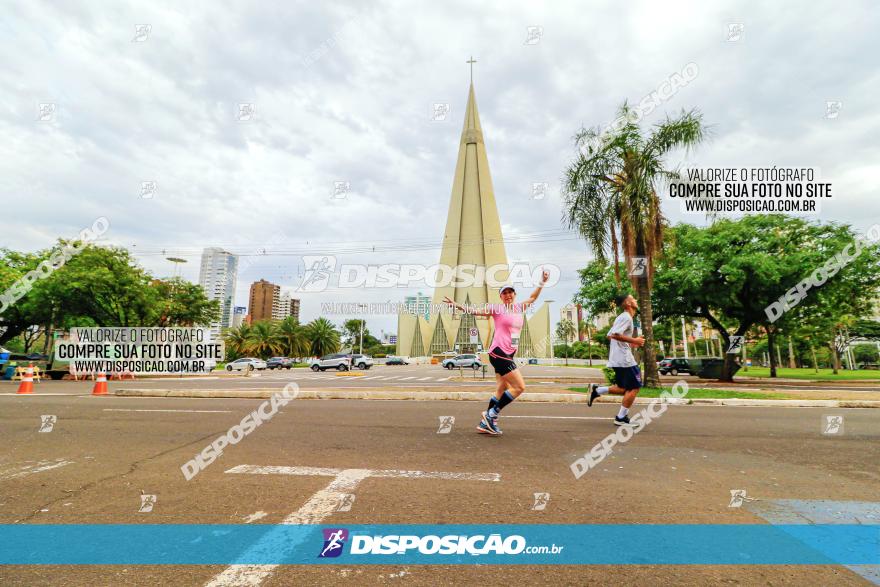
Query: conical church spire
473, 228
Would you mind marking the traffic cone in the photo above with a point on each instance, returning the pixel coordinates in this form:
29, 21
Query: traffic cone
27, 381
100, 387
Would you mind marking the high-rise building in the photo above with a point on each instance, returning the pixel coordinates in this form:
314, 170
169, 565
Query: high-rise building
267, 302
238, 316
263, 302
419, 304
570, 312
287, 306
217, 276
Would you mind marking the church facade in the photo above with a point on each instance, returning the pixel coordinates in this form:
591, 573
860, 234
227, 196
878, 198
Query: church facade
472, 238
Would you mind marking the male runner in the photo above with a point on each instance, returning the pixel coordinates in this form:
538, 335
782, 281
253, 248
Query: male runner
627, 377
508, 320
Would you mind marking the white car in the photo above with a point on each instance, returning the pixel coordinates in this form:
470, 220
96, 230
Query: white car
246, 363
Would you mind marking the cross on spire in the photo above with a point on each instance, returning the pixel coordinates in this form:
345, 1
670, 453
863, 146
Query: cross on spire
472, 61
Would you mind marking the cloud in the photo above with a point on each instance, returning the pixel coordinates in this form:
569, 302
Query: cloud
345, 92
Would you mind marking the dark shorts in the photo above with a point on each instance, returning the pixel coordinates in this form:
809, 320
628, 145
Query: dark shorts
628, 377
501, 361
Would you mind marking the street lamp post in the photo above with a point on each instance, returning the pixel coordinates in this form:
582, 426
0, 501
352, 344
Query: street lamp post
550, 331
361, 345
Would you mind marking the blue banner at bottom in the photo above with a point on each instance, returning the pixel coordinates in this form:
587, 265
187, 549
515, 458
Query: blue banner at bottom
632, 544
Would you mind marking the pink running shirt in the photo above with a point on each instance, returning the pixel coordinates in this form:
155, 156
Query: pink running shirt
508, 323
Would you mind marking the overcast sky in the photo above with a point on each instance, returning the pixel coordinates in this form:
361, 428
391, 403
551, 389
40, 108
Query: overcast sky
345, 92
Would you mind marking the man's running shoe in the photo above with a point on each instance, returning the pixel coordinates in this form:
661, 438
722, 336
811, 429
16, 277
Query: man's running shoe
593, 394
621, 421
488, 425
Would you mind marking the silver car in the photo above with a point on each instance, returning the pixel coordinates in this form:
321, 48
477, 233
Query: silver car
342, 362
467, 361
246, 364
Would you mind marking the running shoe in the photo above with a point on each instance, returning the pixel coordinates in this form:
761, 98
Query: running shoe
489, 425
593, 394
621, 421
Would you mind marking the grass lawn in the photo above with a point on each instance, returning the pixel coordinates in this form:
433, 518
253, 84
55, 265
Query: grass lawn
702, 393
822, 375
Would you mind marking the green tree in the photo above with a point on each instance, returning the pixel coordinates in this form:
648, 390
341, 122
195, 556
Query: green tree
263, 340
323, 337
611, 188
293, 337
565, 330
729, 273
237, 340
177, 302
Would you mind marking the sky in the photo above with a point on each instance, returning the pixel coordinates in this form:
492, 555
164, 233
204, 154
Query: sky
345, 92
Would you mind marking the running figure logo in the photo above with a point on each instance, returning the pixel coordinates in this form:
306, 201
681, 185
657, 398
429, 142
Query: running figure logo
47, 423
345, 502
737, 497
147, 503
318, 270
446, 423
736, 343
541, 501
832, 424
334, 540
639, 266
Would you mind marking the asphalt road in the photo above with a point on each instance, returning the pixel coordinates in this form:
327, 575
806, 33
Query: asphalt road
435, 378
103, 453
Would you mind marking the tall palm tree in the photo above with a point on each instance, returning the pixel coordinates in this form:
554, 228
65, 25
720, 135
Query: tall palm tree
323, 337
263, 340
611, 189
292, 336
236, 339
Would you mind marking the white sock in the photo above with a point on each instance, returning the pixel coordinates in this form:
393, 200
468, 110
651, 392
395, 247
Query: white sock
603, 390
623, 412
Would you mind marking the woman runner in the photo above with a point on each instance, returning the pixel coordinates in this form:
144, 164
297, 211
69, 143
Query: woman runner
508, 320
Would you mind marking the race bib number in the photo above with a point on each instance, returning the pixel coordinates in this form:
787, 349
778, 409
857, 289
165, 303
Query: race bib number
514, 337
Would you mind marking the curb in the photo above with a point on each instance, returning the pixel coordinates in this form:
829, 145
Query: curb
571, 398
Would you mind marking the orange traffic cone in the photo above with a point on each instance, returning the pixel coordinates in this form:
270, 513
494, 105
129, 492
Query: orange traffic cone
27, 381
100, 387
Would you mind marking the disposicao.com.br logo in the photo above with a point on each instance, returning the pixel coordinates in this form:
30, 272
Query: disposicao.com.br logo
429, 544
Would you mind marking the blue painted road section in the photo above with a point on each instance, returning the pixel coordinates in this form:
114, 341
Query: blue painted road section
797, 511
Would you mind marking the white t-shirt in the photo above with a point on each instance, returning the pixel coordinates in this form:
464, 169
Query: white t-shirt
621, 353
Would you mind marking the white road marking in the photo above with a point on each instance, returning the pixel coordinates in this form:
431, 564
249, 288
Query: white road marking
255, 516
406, 378
178, 379
562, 417
425, 378
188, 411
38, 467
320, 506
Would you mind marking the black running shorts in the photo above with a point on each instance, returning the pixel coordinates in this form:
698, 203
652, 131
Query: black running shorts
501, 361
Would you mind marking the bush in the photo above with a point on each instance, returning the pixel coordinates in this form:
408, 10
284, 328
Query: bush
609, 375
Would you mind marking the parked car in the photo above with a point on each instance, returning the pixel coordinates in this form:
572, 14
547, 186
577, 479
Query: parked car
396, 361
342, 362
279, 363
676, 366
246, 363
472, 361
361, 361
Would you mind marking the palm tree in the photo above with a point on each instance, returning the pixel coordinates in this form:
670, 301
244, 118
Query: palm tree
611, 189
292, 336
263, 340
323, 337
236, 339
